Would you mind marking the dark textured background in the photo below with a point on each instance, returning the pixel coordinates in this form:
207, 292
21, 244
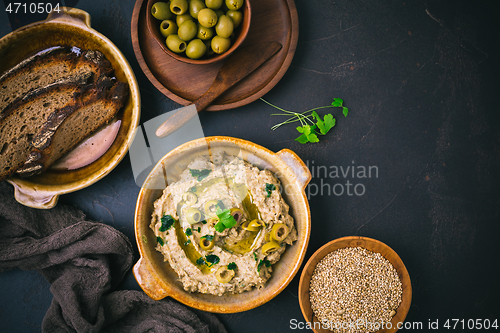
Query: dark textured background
420, 81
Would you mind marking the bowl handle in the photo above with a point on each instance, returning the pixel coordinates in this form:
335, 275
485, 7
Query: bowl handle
147, 281
34, 198
74, 15
300, 170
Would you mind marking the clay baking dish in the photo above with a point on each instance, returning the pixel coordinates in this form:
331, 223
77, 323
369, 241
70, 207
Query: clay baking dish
156, 277
372, 245
71, 28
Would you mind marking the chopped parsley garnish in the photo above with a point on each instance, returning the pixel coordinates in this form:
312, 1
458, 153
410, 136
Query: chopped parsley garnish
311, 123
200, 261
263, 262
200, 174
255, 257
189, 232
167, 221
160, 241
187, 242
208, 237
232, 266
212, 259
226, 220
199, 229
269, 189
204, 222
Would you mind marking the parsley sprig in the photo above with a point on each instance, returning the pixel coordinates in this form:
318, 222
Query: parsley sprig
226, 220
311, 123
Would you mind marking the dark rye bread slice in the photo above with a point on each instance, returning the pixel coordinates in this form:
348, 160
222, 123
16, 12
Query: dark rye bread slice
68, 126
54, 65
22, 121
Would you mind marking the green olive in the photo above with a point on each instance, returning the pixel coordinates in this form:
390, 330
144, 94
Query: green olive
206, 244
279, 232
270, 247
237, 214
209, 52
207, 17
161, 11
178, 7
175, 44
204, 33
236, 16
187, 30
219, 12
253, 225
214, 4
193, 215
224, 275
195, 6
189, 198
224, 27
168, 27
234, 4
220, 44
182, 18
211, 208
196, 49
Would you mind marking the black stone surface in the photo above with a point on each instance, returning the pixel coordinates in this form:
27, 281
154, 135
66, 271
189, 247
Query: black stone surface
420, 80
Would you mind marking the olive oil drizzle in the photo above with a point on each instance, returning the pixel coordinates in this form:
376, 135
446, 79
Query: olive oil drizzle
191, 253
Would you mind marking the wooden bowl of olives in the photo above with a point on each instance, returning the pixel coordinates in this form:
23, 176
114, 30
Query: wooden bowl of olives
199, 31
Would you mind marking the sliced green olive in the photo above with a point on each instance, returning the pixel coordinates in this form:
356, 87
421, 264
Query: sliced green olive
270, 247
206, 244
189, 198
253, 225
168, 27
211, 208
161, 10
193, 215
237, 214
224, 275
179, 7
279, 232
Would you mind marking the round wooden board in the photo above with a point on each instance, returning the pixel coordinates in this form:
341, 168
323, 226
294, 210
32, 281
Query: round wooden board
272, 20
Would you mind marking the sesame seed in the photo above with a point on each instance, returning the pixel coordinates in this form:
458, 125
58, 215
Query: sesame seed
354, 285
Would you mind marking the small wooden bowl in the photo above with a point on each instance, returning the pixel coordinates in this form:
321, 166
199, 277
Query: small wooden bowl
154, 28
366, 243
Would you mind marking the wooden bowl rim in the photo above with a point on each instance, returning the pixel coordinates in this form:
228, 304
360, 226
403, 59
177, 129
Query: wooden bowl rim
354, 241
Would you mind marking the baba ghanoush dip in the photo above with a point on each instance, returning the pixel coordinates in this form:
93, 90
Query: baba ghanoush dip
222, 225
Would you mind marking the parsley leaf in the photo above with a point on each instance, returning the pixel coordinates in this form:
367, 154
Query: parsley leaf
187, 242
160, 241
265, 262
232, 266
226, 220
189, 232
212, 259
337, 102
308, 134
269, 189
208, 237
167, 221
326, 124
200, 174
200, 261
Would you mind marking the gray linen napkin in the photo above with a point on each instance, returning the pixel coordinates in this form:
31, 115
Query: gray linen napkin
85, 261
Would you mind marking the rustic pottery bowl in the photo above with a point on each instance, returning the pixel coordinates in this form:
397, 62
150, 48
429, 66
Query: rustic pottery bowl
366, 243
241, 33
157, 278
71, 28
